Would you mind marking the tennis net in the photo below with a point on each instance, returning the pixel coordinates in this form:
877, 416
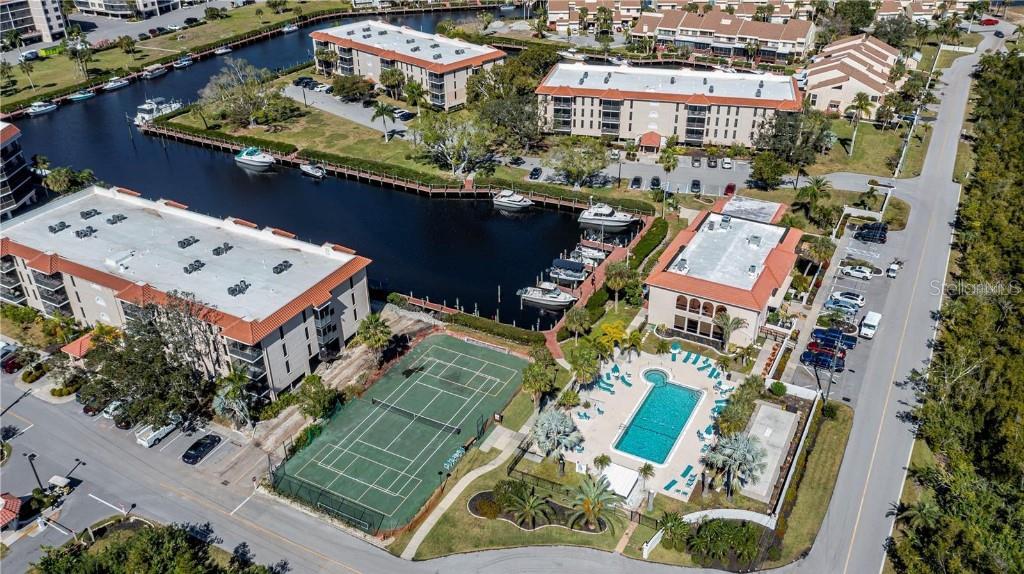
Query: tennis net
417, 417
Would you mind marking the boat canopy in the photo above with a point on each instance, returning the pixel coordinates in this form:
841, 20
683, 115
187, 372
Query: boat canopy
569, 265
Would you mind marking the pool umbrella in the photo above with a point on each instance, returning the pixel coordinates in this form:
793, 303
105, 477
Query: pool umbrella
676, 347
615, 368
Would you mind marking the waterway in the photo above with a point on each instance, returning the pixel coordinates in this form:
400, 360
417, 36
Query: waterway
447, 250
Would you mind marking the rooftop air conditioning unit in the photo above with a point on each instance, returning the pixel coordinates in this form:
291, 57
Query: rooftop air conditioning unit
366, 29
757, 94
760, 84
711, 89
435, 45
233, 291
726, 221
367, 36
581, 81
437, 56
350, 33
752, 270
58, 227
415, 48
754, 241
116, 218
382, 33
705, 81
411, 41
460, 51
89, 213
672, 80
711, 226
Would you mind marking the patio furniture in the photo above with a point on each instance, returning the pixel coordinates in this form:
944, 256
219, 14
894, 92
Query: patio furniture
670, 484
578, 448
624, 379
713, 374
704, 367
721, 401
696, 358
687, 471
600, 411
710, 430
690, 481
689, 354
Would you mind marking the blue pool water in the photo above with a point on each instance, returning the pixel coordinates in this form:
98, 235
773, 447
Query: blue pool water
656, 425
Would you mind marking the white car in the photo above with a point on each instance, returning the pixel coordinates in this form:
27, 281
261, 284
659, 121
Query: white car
175, 27
150, 435
112, 410
857, 272
321, 88
726, 163
850, 297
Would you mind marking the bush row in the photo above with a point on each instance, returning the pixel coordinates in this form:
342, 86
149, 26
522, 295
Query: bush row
648, 243
595, 308
285, 148
305, 437
492, 327
34, 373
377, 167
562, 193
273, 409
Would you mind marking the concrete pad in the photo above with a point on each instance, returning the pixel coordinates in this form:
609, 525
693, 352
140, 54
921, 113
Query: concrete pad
774, 428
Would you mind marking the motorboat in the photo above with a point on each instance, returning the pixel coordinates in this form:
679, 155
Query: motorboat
572, 54
154, 108
546, 295
591, 253
507, 6
154, 71
115, 83
313, 170
40, 108
618, 61
222, 50
580, 258
255, 159
509, 200
604, 216
567, 271
183, 62
290, 28
82, 95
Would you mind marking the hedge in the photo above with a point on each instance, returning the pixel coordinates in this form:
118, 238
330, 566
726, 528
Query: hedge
562, 193
273, 409
34, 373
492, 327
648, 243
378, 167
280, 147
595, 309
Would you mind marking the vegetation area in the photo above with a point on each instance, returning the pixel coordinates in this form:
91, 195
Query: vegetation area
972, 396
875, 151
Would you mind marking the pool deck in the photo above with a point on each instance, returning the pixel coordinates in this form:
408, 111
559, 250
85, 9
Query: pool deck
601, 431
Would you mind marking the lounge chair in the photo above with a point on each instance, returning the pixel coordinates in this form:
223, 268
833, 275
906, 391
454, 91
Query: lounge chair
687, 471
671, 484
691, 481
625, 380
674, 354
717, 409
721, 401
686, 359
704, 449
713, 373
704, 367
696, 358
600, 411
710, 430
578, 448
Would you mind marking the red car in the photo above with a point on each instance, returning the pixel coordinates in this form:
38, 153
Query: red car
988, 22
816, 347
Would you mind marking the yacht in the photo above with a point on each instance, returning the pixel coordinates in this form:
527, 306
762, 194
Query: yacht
567, 271
183, 62
572, 54
154, 108
154, 71
603, 216
81, 95
580, 258
222, 50
511, 201
546, 295
618, 61
115, 83
254, 158
591, 253
40, 108
290, 28
313, 170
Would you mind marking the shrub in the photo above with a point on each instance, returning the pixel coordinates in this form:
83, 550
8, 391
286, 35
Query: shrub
305, 437
33, 374
273, 409
488, 509
396, 299
829, 410
595, 305
506, 491
490, 326
569, 399
655, 235
778, 388
18, 314
562, 193
379, 167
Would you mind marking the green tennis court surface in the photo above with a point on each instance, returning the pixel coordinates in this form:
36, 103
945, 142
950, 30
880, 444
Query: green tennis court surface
383, 451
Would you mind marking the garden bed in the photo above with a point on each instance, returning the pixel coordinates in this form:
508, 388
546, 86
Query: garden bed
559, 516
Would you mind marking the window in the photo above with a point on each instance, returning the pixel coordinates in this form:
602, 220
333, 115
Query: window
716, 133
814, 99
287, 367
284, 348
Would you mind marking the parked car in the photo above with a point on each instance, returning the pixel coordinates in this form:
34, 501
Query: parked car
174, 27
301, 80
92, 408
161, 30
655, 182
12, 365
827, 348
850, 296
406, 115
200, 449
730, 189
143, 36
988, 21
712, 161
872, 236
834, 337
857, 272
636, 183
149, 435
875, 225
191, 21
154, 32
726, 163
320, 87
823, 361
112, 410
892, 270
369, 102
123, 421
841, 306
695, 161
695, 186
6, 351
869, 324
535, 173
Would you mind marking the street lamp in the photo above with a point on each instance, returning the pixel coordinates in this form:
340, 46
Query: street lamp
31, 462
78, 462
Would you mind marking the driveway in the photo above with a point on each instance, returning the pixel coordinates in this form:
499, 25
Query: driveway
354, 112
713, 180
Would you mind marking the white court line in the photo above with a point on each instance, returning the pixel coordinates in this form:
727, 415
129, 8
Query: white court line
223, 442
101, 501
373, 446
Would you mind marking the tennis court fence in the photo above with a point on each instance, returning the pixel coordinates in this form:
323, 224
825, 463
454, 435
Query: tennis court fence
351, 513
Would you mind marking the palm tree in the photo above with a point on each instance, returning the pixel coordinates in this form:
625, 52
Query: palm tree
728, 325
752, 47
259, 14
584, 361
633, 341
601, 462
375, 333
646, 472
616, 278
594, 503
583, 12
921, 33
922, 515
6, 73
527, 508
860, 107
60, 326
745, 354
676, 529
540, 27
127, 45
577, 320
385, 112
538, 380
231, 388
820, 248
26, 68
740, 457
415, 95
13, 39
392, 79
817, 189
668, 160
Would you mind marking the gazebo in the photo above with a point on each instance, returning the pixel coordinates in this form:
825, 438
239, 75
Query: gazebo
651, 142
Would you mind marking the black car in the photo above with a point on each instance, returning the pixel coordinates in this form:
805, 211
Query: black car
200, 449
636, 183
516, 161
191, 21
695, 161
535, 173
143, 36
161, 30
871, 236
655, 182
406, 115
712, 162
695, 186
999, 34
874, 226
822, 361
369, 103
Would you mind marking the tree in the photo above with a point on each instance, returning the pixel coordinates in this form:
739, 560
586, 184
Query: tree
894, 31
353, 88
646, 472
415, 95
676, 530
277, 6
922, 515
240, 90
538, 380
768, 169
12, 38
460, 143
582, 13
445, 27
375, 333
6, 73
515, 120
233, 399
384, 111
728, 325
127, 45
633, 341
486, 18
867, 199
259, 15
817, 189
539, 26
26, 67
860, 107
594, 502
764, 12
584, 361
60, 327
315, 398
668, 160
577, 320
616, 276
601, 462
577, 158
740, 457
796, 138
859, 13
62, 180
392, 80
921, 33
751, 48
528, 508
554, 431
710, 541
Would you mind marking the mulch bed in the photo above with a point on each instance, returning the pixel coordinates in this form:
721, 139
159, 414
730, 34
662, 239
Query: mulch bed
559, 515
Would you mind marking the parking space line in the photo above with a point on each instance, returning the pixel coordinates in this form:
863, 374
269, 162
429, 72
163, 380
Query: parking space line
170, 442
101, 501
218, 447
23, 431
241, 504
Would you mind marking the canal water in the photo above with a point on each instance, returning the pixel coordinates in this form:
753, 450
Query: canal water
447, 250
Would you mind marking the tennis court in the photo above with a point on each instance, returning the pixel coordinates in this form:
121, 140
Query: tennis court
388, 450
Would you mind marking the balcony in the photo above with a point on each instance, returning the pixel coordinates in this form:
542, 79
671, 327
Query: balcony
6, 265
321, 322
324, 338
255, 371
51, 282
10, 280
246, 353
55, 298
9, 295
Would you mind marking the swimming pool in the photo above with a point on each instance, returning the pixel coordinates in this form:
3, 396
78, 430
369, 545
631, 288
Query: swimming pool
660, 420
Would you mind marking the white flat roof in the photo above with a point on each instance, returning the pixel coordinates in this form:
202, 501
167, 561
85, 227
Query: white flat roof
725, 256
621, 479
408, 42
144, 248
751, 208
680, 82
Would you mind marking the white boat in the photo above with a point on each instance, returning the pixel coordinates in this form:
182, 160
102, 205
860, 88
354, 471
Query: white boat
546, 295
618, 61
313, 170
511, 201
290, 28
254, 158
81, 95
154, 108
40, 108
572, 54
154, 71
222, 50
591, 253
183, 62
115, 83
567, 271
580, 258
603, 216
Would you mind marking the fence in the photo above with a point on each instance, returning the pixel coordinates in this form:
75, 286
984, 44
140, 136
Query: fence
354, 514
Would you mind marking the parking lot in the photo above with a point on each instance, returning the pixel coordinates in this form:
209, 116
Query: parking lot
713, 179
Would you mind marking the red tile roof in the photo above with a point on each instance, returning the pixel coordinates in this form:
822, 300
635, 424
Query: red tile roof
8, 132
793, 105
10, 510
650, 139
79, 347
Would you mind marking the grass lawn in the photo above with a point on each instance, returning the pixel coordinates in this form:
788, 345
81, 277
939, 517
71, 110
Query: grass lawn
459, 531
896, 214
920, 457
815, 490
947, 57
30, 335
634, 549
871, 150
519, 410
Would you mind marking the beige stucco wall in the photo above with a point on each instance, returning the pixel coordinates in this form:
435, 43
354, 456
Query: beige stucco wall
662, 310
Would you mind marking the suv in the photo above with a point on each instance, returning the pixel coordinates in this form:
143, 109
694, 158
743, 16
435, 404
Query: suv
826, 348
834, 337
636, 183
712, 161
655, 182
726, 163
857, 272
695, 161
850, 297
535, 173
845, 307
823, 361
695, 186
871, 236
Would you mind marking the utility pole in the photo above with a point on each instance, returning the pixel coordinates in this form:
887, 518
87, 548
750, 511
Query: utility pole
31, 462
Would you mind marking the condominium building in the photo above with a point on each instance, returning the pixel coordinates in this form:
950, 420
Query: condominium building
126, 8
568, 15
722, 34
17, 186
779, 13
272, 305
652, 104
735, 261
34, 20
441, 65
850, 66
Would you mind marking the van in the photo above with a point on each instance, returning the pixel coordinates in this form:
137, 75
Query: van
149, 435
869, 324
